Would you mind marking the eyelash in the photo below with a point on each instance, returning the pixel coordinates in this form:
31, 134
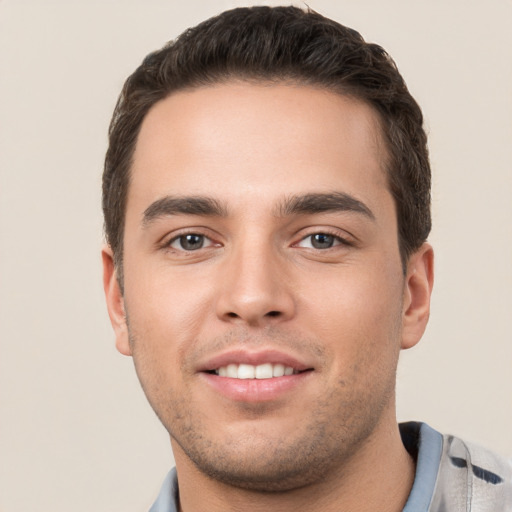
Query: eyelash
338, 240
180, 238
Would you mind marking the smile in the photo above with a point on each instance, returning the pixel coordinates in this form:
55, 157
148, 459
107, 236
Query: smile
249, 371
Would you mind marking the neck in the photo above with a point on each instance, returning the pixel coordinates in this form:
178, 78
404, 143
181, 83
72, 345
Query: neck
378, 477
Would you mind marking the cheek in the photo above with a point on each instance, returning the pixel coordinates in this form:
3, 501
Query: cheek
165, 305
358, 314
164, 321
353, 295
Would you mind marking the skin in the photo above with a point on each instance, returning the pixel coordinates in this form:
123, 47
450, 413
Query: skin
259, 283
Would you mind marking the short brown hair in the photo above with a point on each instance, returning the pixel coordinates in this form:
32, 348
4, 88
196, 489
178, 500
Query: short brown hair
277, 44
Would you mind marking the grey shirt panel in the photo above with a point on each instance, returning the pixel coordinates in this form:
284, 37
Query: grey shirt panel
471, 479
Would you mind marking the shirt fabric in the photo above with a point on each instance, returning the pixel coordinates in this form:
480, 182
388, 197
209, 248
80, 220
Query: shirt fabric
451, 476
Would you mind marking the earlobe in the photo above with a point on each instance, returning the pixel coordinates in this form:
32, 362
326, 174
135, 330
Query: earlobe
115, 302
417, 291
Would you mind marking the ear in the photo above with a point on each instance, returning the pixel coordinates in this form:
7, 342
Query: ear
115, 302
417, 290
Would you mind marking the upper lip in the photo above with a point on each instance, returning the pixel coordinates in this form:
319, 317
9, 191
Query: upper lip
255, 358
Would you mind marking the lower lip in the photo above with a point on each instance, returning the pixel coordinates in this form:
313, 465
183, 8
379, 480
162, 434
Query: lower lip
256, 390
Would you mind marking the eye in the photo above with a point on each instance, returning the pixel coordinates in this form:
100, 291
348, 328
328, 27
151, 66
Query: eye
190, 242
320, 241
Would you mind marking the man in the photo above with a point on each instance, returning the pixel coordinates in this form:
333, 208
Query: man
267, 204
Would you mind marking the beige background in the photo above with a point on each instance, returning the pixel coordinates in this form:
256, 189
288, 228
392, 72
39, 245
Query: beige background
75, 430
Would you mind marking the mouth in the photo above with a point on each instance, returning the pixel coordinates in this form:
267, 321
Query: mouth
247, 377
263, 371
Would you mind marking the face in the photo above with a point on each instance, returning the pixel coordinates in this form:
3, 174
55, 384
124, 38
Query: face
264, 298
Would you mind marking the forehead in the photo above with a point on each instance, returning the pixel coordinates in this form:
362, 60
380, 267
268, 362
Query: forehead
240, 139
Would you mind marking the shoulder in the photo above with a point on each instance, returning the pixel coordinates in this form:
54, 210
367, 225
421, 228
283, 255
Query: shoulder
472, 478
453, 475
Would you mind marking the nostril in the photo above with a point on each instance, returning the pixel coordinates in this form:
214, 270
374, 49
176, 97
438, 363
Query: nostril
250, 317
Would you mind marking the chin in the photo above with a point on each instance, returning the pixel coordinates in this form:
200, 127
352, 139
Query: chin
267, 463
274, 474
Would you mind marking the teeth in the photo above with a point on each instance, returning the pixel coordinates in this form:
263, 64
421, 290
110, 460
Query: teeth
278, 370
263, 371
231, 371
248, 371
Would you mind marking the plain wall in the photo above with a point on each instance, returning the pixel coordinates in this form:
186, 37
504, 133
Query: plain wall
76, 432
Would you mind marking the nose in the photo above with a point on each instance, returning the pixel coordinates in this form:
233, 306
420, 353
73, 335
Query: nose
255, 290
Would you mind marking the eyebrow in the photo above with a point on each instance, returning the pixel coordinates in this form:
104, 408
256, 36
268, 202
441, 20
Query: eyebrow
182, 205
323, 202
294, 205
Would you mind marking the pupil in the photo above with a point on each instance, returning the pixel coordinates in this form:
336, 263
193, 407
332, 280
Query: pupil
322, 241
191, 242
